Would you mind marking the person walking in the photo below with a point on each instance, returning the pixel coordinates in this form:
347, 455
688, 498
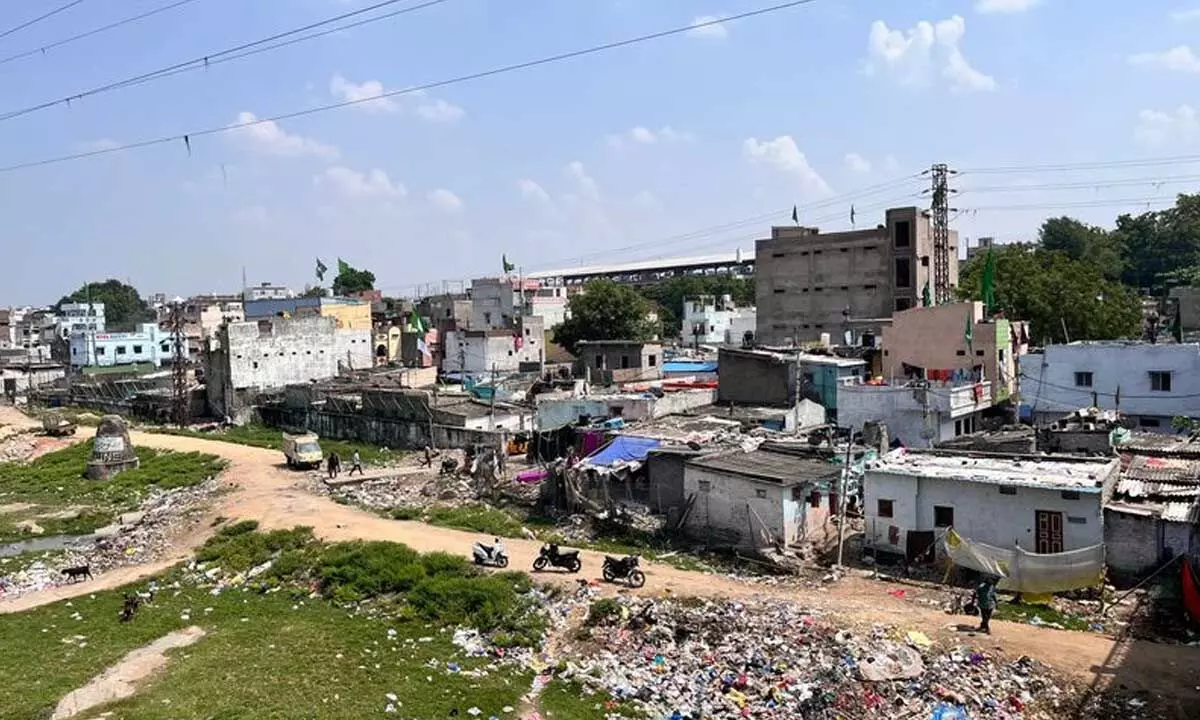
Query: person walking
355, 464
985, 598
331, 464
337, 464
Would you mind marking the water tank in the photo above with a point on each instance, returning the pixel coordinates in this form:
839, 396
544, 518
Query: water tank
825, 342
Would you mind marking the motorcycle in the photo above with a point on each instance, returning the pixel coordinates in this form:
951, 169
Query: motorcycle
625, 568
493, 555
550, 555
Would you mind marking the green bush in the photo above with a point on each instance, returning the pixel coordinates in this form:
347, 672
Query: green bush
602, 612
245, 548
407, 513
475, 518
241, 527
357, 570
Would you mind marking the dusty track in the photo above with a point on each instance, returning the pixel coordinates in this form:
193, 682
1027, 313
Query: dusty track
263, 489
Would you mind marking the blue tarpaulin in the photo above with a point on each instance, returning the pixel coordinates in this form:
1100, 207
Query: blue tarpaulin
681, 367
623, 448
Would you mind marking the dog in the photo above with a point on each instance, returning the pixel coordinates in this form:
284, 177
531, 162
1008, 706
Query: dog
130, 608
75, 574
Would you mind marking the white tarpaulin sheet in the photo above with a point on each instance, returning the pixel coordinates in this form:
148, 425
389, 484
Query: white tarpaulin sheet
1022, 571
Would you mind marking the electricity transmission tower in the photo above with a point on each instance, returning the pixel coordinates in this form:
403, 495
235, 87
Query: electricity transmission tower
179, 366
940, 211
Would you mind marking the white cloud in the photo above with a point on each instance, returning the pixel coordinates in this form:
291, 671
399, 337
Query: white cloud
440, 111
1186, 15
645, 136
911, 56
445, 201
783, 155
1004, 6
712, 32
587, 185
1178, 59
530, 190
1157, 128
366, 94
356, 185
267, 137
856, 163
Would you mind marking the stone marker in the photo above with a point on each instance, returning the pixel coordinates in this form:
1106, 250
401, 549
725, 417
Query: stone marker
112, 452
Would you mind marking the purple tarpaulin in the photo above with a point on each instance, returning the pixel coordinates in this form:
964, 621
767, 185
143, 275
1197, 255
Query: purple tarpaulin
530, 477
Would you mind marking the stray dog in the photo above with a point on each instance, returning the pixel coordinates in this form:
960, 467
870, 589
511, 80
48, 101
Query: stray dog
83, 572
130, 608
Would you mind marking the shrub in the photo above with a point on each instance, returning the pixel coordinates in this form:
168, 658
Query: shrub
240, 527
243, 549
603, 612
356, 570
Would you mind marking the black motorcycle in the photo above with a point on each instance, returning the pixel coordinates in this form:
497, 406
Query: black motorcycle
625, 568
551, 556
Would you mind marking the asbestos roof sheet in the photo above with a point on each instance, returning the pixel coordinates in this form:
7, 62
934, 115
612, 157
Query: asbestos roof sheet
1161, 445
1176, 470
782, 468
1143, 489
1182, 512
1084, 476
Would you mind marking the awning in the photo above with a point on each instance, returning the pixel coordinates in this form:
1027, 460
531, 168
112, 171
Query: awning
623, 448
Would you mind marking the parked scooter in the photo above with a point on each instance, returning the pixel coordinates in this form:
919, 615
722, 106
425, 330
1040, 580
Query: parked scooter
625, 568
493, 555
550, 555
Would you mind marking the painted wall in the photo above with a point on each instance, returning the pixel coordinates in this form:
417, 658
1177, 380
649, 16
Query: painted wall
952, 411
147, 345
723, 511
274, 352
981, 512
1136, 544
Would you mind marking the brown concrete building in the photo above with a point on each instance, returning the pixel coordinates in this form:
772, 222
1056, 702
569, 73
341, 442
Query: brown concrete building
808, 283
620, 361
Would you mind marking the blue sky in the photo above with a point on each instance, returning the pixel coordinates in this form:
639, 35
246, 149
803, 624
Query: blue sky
609, 157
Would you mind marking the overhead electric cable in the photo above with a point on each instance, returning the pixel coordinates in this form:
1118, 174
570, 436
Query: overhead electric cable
233, 53
39, 18
94, 31
593, 50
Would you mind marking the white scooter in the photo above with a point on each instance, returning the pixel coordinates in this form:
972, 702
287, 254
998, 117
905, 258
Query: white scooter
493, 555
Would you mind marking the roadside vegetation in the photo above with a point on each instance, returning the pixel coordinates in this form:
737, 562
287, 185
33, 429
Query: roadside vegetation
62, 500
261, 436
327, 630
80, 416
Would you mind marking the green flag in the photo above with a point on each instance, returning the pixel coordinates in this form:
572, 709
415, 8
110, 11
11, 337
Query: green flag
321, 270
795, 214
926, 298
988, 291
508, 267
343, 268
969, 334
415, 320
1177, 326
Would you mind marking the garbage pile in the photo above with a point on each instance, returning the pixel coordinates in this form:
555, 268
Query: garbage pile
17, 447
411, 491
771, 659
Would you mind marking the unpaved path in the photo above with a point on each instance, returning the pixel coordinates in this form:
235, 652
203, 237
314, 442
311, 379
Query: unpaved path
263, 489
121, 680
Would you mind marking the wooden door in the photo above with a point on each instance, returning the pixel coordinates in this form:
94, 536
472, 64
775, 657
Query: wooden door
1049, 525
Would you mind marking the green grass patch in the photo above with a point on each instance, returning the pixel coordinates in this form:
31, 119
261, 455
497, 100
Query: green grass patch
475, 517
1017, 612
56, 481
564, 700
261, 436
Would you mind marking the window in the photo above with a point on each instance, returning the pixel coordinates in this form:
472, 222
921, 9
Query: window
100, 351
903, 237
255, 364
979, 353
1008, 489
808, 378
599, 362
166, 348
120, 349
960, 353
1076, 520
943, 516
624, 362
903, 272
776, 254
884, 509
760, 493
651, 360
868, 287
1070, 494
704, 485
1160, 380
137, 349
1001, 356
924, 261
1083, 379
779, 291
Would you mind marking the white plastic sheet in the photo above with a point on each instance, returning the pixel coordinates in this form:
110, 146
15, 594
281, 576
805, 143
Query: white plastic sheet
1022, 571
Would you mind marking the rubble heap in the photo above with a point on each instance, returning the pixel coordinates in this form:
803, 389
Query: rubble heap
775, 660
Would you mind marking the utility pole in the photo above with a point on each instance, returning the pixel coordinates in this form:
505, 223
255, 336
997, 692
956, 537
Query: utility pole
845, 479
940, 191
179, 384
492, 401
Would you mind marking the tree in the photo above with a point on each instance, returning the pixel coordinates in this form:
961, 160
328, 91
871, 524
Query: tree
1049, 289
669, 295
350, 280
123, 307
313, 291
605, 311
1080, 241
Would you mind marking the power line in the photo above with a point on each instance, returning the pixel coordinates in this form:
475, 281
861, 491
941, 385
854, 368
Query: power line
1079, 204
40, 18
593, 50
233, 53
95, 31
1089, 185
1096, 165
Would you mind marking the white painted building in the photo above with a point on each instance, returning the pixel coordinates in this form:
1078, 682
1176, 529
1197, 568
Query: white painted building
79, 317
1155, 383
917, 416
1044, 506
710, 320
479, 352
267, 291
497, 302
148, 344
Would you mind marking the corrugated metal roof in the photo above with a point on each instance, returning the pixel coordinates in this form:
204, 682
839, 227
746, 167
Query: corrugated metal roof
783, 468
1161, 445
1182, 512
1176, 470
1143, 489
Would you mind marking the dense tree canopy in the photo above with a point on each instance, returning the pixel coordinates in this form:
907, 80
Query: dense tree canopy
313, 291
1079, 241
669, 295
606, 311
123, 307
1050, 289
351, 280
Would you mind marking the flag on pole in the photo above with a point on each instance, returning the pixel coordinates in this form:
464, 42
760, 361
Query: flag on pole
343, 267
508, 267
321, 270
926, 298
969, 334
418, 325
795, 214
851, 216
989, 284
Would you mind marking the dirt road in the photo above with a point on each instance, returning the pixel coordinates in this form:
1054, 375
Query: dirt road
263, 489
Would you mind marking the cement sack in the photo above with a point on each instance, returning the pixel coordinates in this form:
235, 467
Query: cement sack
1025, 572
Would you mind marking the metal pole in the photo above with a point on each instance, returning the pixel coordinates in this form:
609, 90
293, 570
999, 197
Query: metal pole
842, 495
492, 401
